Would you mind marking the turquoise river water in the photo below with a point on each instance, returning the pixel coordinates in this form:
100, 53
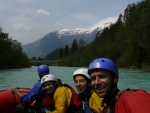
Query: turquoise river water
128, 78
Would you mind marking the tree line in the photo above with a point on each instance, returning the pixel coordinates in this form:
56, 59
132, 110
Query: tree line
66, 51
11, 54
126, 42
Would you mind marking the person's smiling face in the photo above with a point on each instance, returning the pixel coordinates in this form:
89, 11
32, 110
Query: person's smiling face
101, 82
80, 83
49, 86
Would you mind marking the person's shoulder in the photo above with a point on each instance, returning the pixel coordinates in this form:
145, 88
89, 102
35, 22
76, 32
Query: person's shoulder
62, 88
135, 100
63, 91
134, 95
37, 84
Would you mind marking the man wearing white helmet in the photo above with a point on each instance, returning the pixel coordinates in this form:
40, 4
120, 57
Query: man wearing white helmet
91, 102
61, 96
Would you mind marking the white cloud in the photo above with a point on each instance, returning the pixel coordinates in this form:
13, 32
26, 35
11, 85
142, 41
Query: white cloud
105, 22
42, 12
32, 11
22, 26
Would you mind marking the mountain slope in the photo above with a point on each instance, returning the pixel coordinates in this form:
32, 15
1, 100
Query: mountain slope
57, 39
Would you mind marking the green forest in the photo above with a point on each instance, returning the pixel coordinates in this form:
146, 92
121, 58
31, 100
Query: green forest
11, 55
126, 42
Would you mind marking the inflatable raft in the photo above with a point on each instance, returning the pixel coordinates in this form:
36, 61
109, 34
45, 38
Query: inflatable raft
9, 100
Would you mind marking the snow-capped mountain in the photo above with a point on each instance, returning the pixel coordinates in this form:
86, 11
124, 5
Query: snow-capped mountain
57, 39
76, 31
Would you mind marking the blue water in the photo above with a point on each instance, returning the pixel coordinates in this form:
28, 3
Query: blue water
128, 78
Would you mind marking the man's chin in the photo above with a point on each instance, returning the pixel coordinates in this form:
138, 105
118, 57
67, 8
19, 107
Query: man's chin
101, 95
80, 92
48, 92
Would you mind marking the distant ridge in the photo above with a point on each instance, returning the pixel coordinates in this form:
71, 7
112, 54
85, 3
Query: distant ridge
57, 39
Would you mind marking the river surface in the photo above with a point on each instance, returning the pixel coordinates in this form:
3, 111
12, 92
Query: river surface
27, 77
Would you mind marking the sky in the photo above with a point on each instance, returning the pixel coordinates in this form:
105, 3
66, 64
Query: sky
29, 20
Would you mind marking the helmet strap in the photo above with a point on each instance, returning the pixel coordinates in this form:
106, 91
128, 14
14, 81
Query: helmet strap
113, 85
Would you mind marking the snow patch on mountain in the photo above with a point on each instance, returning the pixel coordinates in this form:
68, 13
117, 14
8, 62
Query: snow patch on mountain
76, 31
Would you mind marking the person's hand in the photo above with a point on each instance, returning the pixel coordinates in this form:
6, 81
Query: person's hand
14, 90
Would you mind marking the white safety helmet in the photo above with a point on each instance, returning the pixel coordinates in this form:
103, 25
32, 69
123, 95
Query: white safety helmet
81, 71
48, 77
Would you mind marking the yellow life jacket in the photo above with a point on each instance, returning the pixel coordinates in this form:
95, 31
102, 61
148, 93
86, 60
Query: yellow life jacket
95, 103
62, 99
66, 100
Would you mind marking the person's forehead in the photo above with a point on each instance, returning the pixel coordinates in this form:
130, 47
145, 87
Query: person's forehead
48, 82
99, 71
79, 76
